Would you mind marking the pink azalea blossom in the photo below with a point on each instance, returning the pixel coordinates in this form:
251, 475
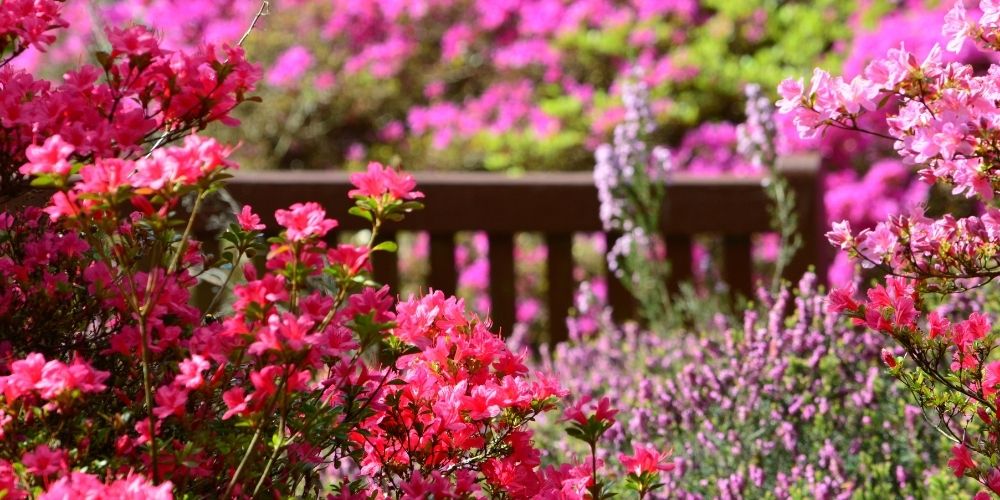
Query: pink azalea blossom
52, 157
248, 220
44, 461
379, 180
304, 221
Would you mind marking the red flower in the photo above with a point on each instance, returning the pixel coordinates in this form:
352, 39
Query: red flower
961, 460
842, 299
646, 459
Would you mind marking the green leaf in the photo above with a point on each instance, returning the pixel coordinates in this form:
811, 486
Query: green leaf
361, 212
43, 181
386, 246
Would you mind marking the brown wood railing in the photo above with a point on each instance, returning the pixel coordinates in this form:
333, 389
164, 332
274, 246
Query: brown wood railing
557, 204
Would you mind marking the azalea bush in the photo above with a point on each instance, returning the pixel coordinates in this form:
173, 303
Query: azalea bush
784, 401
136, 94
299, 377
314, 366
945, 124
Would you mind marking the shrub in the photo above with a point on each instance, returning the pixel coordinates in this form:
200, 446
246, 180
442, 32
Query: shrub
945, 123
114, 382
783, 402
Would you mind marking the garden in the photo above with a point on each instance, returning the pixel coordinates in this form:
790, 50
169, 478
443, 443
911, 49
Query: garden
557, 249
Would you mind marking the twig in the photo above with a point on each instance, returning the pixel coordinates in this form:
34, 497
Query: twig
263, 11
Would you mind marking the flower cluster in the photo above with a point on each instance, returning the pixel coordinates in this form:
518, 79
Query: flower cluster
298, 375
465, 386
137, 93
783, 402
27, 23
50, 380
629, 177
944, 112
945, 121
418, 396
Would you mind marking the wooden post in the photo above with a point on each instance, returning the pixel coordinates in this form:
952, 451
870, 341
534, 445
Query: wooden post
502, 298
559, 270
804, 179
443, 275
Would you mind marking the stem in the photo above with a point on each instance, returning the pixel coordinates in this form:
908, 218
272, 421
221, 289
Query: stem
260, 12
272, 458
253, 440
243, 461
281, 439
187, 234
147, 389
218, 295
342, 292
594, 492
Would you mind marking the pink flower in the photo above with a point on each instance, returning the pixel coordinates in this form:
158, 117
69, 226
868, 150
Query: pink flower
380, 180
840, 236
44, 461
354, 258
283, 331
603, 413
136, 487
263, 381
991, 377
50, 379
52, 157
105, 175
993, 481
991, 11
248, 220
9, 480
290, 66
971, 330
24, 375
132, 487
482, 403
62, 205
896, 296
937, 325
646, 459
956, 27
190, 375
304, 220
170, 400
790, 91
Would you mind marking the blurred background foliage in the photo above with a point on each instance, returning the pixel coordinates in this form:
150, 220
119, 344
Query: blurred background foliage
496, 84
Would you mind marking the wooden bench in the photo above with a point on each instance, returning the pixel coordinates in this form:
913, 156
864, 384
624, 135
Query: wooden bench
557, 205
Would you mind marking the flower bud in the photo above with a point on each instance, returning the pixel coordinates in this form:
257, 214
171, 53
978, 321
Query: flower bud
888, 358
